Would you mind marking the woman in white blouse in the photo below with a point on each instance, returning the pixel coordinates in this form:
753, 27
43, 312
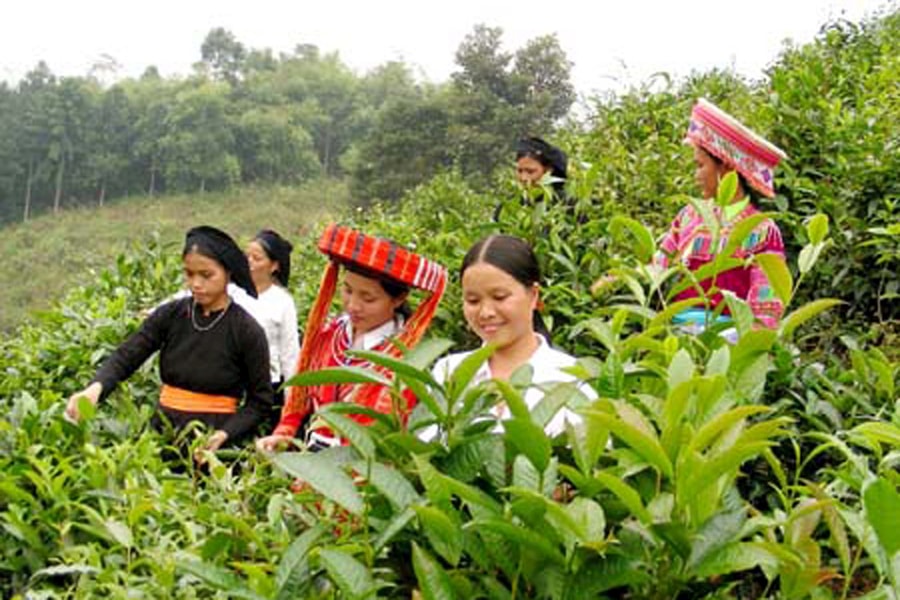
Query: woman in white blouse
269, 256
501, 294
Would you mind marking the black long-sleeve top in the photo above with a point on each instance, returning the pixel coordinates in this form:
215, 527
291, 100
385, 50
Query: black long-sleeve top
229, 359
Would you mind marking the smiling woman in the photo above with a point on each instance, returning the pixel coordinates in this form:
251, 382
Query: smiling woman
501, 297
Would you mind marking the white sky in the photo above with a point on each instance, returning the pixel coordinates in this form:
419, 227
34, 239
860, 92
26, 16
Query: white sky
611, 43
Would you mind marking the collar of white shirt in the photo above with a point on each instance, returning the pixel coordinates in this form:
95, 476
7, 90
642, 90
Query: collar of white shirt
372, 338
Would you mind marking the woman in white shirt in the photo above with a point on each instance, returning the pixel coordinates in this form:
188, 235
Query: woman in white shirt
269, 256
501, 295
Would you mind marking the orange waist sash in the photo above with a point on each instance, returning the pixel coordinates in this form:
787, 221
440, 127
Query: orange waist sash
188, 401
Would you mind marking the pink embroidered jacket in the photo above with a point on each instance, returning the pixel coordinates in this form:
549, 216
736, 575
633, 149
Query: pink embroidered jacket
689, 241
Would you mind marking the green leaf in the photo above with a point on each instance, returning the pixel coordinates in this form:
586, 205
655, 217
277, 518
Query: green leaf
394, 527
886, 433
358, 435
427, 351
590, 520
740, 232
882, 504
727, 189
817, 228
626, 494
326, 476
348, 573
443, 533
119, 531
340, 375
736, 557
681, 369
434, 583
294, 560
804, 314
515, 400
462, 376
643, 442
716, 533
530, 440
525, 539
397, 365
390, 482
710, 430
218, 578
644, 246
776, 270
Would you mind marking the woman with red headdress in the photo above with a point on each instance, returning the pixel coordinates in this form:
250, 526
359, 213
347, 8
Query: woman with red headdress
378, 275
721, 145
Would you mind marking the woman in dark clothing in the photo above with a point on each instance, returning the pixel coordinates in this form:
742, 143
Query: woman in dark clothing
214, 358
540, 165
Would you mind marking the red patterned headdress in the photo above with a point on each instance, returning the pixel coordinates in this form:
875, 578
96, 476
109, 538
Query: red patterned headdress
383, 258
726, 138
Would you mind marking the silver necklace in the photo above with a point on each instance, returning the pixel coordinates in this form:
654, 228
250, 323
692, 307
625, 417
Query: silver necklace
214, 322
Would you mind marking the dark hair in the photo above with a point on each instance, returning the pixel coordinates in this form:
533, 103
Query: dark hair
515, 257
748, 189
278, 250
549, 156
393, 288
219, 246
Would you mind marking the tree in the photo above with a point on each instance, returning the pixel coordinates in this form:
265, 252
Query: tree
495, 103
223, 54
541, 80
273, 147
408, 146
198, 147
110, 138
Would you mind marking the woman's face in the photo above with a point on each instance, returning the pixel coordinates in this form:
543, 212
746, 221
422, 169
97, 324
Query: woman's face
261, 266
707, 172
207, 280
529, 171
497, 307
366, 302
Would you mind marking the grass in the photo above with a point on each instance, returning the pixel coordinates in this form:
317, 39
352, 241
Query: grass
46, 256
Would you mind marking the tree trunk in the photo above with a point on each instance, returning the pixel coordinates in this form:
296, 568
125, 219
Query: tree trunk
202, 185
57, 196
102, 193
28, 191
152, 188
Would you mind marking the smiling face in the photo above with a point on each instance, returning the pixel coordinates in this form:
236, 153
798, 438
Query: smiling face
207, 280
497, 307
366, 302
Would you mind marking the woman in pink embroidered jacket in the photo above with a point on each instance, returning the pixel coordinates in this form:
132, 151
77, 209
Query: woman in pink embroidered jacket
722, 144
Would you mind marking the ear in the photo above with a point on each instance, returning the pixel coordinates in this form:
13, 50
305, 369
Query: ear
535, 292
399, 300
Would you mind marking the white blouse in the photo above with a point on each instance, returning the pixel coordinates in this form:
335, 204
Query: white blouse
276, 312
547, 364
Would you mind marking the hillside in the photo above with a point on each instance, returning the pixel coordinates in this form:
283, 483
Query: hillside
48, 255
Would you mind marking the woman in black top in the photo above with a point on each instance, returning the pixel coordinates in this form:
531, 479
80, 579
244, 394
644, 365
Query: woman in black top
214, 358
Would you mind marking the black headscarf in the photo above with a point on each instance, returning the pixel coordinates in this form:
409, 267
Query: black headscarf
218, 245
278, 249
546, 154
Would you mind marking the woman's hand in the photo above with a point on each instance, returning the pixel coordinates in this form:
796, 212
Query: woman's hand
273, 442
91, 392
214, 442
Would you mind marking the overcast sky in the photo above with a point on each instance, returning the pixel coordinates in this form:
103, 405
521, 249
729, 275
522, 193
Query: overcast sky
610, 43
